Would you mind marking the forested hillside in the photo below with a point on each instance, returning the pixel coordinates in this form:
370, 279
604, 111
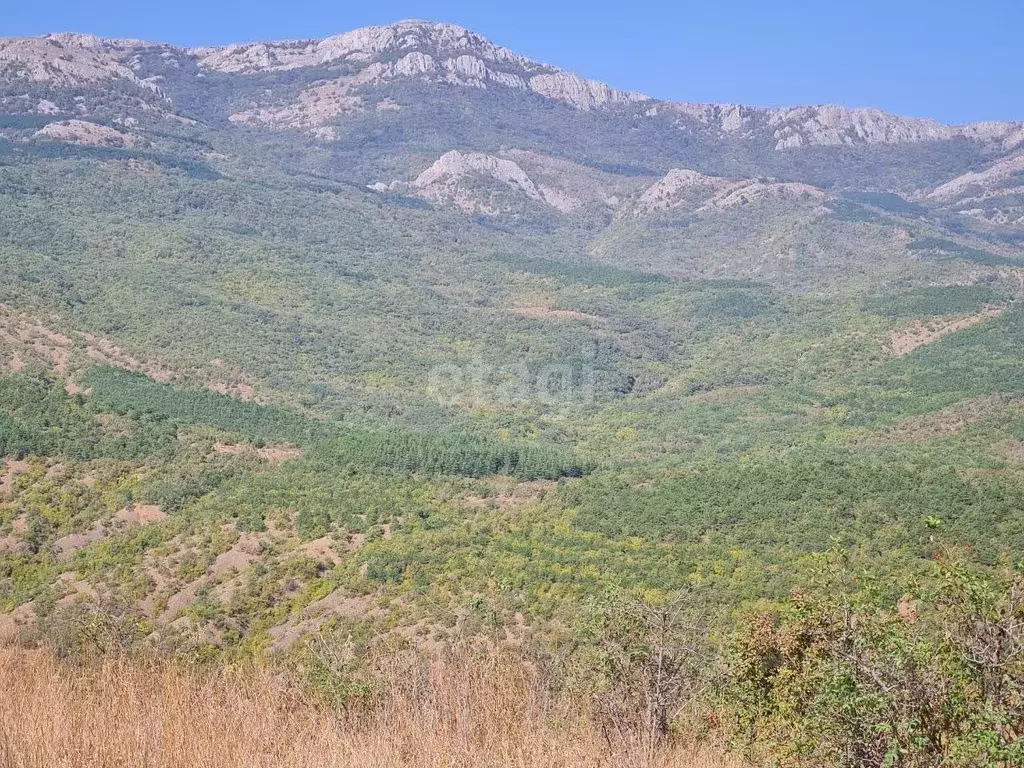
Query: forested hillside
398, 338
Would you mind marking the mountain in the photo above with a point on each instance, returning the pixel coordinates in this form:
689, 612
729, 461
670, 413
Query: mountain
381, 104
400, 333
449, 54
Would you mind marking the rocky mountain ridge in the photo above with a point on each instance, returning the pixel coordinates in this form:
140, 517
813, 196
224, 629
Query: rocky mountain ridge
434, 116
448, 53
493, 185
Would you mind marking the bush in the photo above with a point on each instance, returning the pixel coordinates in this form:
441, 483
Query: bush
644, 663
845, 676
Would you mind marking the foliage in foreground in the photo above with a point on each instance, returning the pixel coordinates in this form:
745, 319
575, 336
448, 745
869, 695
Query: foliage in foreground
487, 711
842, 677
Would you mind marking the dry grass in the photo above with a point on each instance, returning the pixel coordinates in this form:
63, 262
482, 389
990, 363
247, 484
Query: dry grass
141, 714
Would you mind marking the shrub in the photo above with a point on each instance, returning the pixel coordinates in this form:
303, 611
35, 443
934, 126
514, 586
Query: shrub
845, 676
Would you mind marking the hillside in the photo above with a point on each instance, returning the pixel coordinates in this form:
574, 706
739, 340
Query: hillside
399, 336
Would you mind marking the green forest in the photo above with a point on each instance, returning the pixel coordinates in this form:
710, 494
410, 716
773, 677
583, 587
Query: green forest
274, 385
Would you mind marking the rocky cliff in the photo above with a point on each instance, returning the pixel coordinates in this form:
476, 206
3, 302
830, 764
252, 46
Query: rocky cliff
448, 54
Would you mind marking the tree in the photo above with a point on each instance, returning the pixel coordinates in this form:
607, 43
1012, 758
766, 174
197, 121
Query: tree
845, 675
648, 659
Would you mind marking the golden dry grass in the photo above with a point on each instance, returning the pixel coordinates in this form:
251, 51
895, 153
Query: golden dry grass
142, 714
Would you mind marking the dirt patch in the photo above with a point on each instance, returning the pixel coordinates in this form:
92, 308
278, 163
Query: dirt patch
160, 582
420, 637
205, 633
241, 390
226, 591
105, 351
32, 340
66, 546
10, 469
75, 590
230, 449
542, 313
141, 514
919, 335
274, 454
56, 472
249, 547
511, 496
315, 615
64, 354
280, 527
278, 454
947, 421
11, 545
17, 624
181, 599
320, 549
73, 388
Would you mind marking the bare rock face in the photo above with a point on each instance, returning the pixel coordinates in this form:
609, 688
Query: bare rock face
455, 164
832, 125
451, 179
1004, 169
728, 118
493, 185
37, 74
433, 52
63, 60
680, 188
569, 186
447, 53
500, 184
346, 66
463, 70
695, 192
829, 125
579, 93
317, 106
85, 133
311, 112
750, 191
360, 45
509, 182
994, 194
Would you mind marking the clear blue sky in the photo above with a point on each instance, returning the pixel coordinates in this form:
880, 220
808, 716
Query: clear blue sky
954, 61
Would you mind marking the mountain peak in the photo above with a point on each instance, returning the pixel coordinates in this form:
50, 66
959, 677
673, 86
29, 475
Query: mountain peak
364, 44
338, 71
428, 50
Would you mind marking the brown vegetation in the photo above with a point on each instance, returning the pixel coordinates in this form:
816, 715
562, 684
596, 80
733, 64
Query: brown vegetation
8, 470
27, 338
919, 335
951, 420
468, 713
141, 514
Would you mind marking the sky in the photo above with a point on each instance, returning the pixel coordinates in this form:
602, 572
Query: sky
953, 61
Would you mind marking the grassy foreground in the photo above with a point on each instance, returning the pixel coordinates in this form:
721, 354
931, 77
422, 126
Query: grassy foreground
463, 713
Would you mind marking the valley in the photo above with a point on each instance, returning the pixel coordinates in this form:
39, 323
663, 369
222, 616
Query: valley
401, 340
